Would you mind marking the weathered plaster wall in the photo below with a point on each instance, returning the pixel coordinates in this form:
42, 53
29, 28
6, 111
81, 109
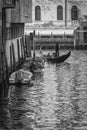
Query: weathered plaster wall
82, 8
49, 11
18, 16
22, 12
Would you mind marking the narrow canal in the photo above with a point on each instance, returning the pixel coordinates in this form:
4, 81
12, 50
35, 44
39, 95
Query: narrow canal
56, 101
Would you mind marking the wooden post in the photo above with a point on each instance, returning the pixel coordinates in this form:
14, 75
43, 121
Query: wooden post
34, 45
30, 49
51, 35
29, 45
14, 63
38, 35
74, 43
11, 58
18, 49
33, 48
31, 39
24, 49
21, 48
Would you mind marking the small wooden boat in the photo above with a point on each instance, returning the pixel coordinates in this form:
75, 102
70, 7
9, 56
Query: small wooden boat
37, 71
39, 62
20, 77
39, 65
36, 68
53, 59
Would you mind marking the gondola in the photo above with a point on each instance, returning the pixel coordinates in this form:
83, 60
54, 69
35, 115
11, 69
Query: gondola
53, 59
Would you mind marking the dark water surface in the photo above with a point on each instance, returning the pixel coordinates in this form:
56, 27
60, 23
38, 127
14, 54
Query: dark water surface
56, 101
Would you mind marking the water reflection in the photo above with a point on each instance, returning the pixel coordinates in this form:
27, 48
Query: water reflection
57, 100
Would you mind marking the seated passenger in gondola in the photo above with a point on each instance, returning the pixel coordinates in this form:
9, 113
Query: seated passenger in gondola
56, 50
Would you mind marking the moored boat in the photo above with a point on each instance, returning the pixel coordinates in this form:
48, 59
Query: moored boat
37, 71
36, 67
20, 77
53, 59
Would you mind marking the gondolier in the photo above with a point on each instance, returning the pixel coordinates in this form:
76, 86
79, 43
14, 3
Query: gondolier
56, 50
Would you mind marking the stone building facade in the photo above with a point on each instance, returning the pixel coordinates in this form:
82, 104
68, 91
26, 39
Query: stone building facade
59, 14
49, 10
15, 22
13, 16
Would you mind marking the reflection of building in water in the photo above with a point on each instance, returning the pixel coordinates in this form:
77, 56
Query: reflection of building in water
52, 19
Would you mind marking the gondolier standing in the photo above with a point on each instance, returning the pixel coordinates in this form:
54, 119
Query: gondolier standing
56, 50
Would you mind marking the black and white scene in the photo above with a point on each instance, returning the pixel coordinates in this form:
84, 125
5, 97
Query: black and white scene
43, 64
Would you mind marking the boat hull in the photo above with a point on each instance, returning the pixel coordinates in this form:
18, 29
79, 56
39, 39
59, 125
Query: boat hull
58, 59
20, 77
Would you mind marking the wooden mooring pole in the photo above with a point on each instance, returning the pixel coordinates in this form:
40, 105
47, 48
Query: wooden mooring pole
11, 59
18, 49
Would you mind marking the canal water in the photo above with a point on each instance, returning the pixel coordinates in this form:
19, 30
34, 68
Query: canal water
56, 101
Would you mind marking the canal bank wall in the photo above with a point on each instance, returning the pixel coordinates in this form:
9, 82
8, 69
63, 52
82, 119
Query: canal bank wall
13, 17
16, 53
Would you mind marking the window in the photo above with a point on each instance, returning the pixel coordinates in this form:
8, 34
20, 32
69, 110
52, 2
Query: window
37, 13
74, 13
59, 13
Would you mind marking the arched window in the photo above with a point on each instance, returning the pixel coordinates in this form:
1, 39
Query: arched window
59, 13
37, 13
74, 13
